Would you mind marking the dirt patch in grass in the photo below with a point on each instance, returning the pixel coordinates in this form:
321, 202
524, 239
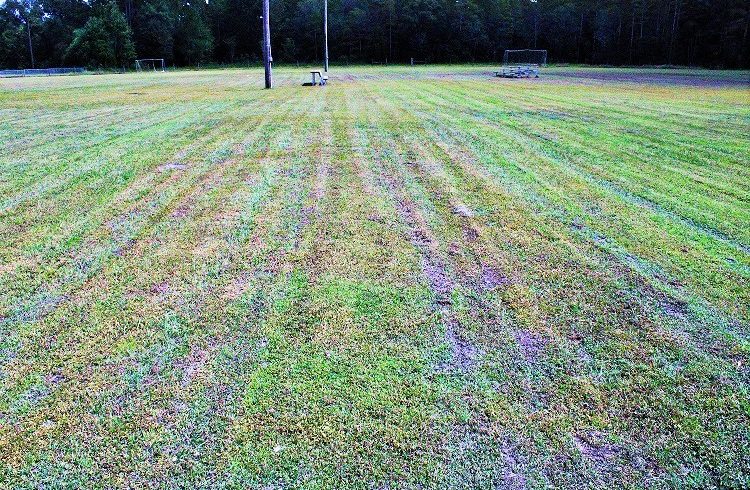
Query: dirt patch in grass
610, 460
492, 279
54, 378
471, 234
181, 211
237, 286
172, 166
160, 290
323, 170
668, 304
674, 308
462, 210
531, 345
665, 77
441, 285
123, 249
42, 308
594, 448
193, 364
376, 218
463, 353
481, 458
19, 264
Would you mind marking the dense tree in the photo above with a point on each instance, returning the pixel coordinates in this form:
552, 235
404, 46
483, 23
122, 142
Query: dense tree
184, 32
28, 14
155, 25
105, 40
193, 41
12, 38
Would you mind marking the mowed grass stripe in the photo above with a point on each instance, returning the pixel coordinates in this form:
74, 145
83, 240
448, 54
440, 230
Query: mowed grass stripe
637, 157
551, 288
117, 228
416, 278
419, 132
559, 190
647, 139
139, 215
87, 348
90, 162
315, 383
119, 225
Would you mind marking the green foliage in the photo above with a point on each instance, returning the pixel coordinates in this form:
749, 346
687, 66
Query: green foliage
628, 32
12, 40
154, 24
194, 41
104, 41
289, 50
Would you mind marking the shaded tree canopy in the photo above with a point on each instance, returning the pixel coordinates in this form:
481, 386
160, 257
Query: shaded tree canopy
105, 39
112, 33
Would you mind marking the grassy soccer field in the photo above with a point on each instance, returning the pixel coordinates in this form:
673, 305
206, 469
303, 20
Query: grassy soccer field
410, 278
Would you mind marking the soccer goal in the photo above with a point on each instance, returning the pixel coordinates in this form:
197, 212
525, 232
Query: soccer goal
522, 63
150, 64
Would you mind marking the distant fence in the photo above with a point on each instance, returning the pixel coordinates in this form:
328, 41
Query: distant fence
40, 72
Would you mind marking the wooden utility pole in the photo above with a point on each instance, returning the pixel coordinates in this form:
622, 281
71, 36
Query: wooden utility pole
267, 58
325, 34
31, 46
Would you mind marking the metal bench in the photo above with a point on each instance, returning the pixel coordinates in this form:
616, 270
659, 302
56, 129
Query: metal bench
318, 74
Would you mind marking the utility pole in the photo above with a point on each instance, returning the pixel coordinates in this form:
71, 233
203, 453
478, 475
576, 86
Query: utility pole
325, 34
267, 59
25, 17
31, 47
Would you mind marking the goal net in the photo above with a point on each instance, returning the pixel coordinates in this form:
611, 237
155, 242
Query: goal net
525, 57
150, 64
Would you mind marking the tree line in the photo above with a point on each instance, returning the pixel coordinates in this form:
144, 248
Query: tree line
112, 33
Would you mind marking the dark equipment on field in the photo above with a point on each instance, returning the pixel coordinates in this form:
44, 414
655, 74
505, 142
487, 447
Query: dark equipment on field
522, 63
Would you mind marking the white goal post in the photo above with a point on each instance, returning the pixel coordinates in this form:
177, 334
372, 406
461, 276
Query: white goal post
152, 64
527, 57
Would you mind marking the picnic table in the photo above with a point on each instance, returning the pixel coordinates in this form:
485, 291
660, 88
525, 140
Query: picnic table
323, 78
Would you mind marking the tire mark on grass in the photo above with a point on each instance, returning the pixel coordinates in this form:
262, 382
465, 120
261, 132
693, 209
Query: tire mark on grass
118, 234
191, 310
98, 127
155, 216
73, 347
543, 203
53, 182
477, 105
212, 424
121, 230
321, 156
474, 439
219, 405
629, 265
543, 147
463, 354
530, 346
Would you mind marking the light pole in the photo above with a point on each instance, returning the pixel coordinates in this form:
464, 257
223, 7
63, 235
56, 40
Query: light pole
267, 59
325, 34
